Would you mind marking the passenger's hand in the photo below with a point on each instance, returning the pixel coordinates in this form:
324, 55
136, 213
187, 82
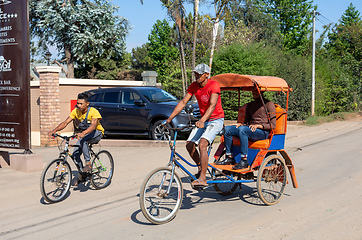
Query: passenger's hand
200, 124
253, 127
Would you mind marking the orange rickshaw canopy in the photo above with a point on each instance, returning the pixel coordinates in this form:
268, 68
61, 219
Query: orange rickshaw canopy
232, 81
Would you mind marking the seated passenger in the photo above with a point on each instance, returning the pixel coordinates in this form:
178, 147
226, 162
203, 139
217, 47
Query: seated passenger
255, 127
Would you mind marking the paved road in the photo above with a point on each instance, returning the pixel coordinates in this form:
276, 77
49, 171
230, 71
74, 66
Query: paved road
325, 206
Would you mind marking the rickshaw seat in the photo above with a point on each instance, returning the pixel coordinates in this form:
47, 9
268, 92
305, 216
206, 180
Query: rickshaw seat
261, 144
280, 128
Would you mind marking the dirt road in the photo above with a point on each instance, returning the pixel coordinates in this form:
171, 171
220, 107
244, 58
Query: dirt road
328, 161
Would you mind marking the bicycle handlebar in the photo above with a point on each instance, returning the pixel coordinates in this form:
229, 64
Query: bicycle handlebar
180, 128
63, 137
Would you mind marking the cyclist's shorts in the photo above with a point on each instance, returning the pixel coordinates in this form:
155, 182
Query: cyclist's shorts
209, 132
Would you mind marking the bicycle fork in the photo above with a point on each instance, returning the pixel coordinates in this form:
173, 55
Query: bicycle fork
57, 169
165, 194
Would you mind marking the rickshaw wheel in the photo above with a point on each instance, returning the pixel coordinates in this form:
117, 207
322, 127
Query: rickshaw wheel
272, 178
228, 188
224, 188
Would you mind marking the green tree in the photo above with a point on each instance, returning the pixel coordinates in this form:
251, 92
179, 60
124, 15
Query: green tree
334, 87
161, 50
81, 30
176, 11
267, 60
350, 16
141, 59
345, 45
222, 8
263, 26
338, 44
295, 19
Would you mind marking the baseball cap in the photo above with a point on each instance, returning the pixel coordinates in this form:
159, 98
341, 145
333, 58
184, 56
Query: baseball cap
202, 68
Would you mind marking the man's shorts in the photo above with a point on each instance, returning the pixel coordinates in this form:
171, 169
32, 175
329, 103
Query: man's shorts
209, 132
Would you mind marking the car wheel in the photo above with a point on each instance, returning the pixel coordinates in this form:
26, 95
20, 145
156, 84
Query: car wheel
159, 132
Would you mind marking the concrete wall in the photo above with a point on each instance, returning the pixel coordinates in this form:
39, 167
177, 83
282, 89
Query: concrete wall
68, 90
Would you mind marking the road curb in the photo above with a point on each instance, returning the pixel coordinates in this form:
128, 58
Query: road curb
136, 143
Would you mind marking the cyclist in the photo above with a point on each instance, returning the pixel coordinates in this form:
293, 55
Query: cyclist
207, 93
91, 131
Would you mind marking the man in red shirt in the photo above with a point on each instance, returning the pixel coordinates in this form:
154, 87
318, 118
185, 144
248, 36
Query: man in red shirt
207, 93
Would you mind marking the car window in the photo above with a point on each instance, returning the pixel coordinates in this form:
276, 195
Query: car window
111, 97
94, 98
158, 95
130, 97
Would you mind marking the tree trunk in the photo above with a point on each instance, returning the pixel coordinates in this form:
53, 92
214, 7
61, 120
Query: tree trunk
184, 64
182, 61
70, 62
214, 34
196, 14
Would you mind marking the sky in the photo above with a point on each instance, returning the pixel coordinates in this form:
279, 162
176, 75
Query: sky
143, 17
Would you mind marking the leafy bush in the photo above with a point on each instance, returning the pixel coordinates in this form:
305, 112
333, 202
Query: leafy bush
265, 60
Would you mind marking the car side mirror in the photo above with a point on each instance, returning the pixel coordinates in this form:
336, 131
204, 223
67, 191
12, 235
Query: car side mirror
139, 102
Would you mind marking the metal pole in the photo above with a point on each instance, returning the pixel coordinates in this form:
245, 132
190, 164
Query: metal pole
313, 65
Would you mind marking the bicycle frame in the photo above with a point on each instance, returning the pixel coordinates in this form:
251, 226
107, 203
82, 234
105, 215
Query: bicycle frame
175, 162
65, 153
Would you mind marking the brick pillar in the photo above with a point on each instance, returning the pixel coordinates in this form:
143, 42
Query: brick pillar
49, 102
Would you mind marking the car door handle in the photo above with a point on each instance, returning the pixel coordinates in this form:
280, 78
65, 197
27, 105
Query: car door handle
123, 108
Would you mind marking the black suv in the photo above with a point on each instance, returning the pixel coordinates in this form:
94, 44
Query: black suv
137, 110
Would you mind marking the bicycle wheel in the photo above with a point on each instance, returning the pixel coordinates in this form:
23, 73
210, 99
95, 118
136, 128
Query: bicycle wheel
102, 170
55, 180
272, 178
157, 204
226, 188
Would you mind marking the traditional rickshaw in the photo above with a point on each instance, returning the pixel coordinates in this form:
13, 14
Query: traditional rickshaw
268, 156
162, 191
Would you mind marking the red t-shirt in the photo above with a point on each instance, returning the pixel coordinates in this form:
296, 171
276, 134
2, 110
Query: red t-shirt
203, 97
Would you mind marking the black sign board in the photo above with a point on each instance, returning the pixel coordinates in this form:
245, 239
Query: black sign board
14, 74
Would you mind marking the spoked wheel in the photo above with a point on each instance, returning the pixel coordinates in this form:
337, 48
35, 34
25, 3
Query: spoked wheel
55, 181
102, 170
160, 199
272, 178
227, 187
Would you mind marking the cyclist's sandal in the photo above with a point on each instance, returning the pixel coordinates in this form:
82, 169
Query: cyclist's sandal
198, 183
88, 167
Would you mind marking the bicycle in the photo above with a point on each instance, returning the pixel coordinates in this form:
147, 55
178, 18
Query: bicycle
56, 177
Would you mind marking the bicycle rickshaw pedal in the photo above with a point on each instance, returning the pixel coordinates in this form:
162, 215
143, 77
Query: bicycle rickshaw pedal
248, 176
199, 188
